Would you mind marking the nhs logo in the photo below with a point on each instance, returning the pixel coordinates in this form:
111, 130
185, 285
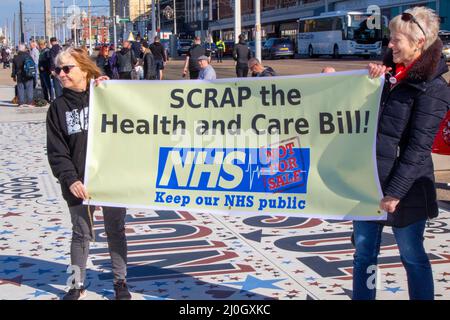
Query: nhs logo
281, 169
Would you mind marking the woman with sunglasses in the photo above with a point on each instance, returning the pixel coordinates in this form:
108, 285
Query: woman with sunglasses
67, 125
414, 101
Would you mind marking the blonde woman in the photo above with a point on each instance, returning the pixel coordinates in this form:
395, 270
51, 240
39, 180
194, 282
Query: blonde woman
414, 101
67, 125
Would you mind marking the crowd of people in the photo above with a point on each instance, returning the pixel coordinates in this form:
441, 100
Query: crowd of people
135, 60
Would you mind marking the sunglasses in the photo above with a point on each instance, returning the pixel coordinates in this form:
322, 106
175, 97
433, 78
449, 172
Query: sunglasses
66, 69
409, 17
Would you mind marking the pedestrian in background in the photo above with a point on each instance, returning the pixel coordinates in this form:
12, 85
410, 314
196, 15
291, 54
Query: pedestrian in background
150, 69
54, 51
44, 66
191, 61
258, 70
241, 54
6, 56
104, 63
160, 56
220, 50
136, 47
126, 61
22, 74
34, 53
207, 71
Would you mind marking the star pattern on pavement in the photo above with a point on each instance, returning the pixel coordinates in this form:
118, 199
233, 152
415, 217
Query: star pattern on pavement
251, 283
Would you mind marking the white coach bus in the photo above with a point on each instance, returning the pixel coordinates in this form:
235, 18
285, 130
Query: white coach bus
340, 33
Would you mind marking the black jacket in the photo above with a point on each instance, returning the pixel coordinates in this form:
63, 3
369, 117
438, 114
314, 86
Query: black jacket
17, 67
241, 53
53, 53
136, 47
409, 118
149, 66
104, 64
67, 124
126, 60
158, 50
44, 60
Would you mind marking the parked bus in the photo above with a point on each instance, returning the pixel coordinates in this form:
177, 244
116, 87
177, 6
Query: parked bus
340, 33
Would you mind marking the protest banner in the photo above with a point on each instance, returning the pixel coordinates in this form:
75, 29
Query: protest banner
295, 146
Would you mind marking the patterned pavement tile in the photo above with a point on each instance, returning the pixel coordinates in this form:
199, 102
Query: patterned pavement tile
179, 255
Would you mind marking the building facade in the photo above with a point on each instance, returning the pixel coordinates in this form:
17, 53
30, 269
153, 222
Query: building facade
279, 17
136, 11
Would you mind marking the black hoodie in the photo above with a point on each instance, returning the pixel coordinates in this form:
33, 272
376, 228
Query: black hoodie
67, 124
158, 50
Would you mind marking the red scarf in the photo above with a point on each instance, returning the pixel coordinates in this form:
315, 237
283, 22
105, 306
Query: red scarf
402, 72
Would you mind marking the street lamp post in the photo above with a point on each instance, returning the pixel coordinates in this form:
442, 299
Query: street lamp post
174, 17
114, 24
201, 21
258, 29
237, 20
153, 21
90, 27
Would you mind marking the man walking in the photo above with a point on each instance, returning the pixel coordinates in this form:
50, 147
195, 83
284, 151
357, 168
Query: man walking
241, 54
159, 53
23, 72
191, 62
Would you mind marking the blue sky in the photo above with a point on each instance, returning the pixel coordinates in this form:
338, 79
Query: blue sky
31, 7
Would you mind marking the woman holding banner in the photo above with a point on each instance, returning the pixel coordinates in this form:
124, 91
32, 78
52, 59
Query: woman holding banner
415, 99
67, 125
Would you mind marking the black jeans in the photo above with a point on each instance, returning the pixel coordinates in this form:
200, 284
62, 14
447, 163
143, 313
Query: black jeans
193, 74
219, 55
46, 85
242, 70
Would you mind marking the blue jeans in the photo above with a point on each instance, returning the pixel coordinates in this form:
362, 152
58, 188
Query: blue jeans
25, 91
412, 253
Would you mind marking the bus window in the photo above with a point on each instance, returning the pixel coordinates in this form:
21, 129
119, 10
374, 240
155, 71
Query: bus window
337, 24
324, 24
359, 31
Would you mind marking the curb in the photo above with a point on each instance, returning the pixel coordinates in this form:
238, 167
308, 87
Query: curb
32, 109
